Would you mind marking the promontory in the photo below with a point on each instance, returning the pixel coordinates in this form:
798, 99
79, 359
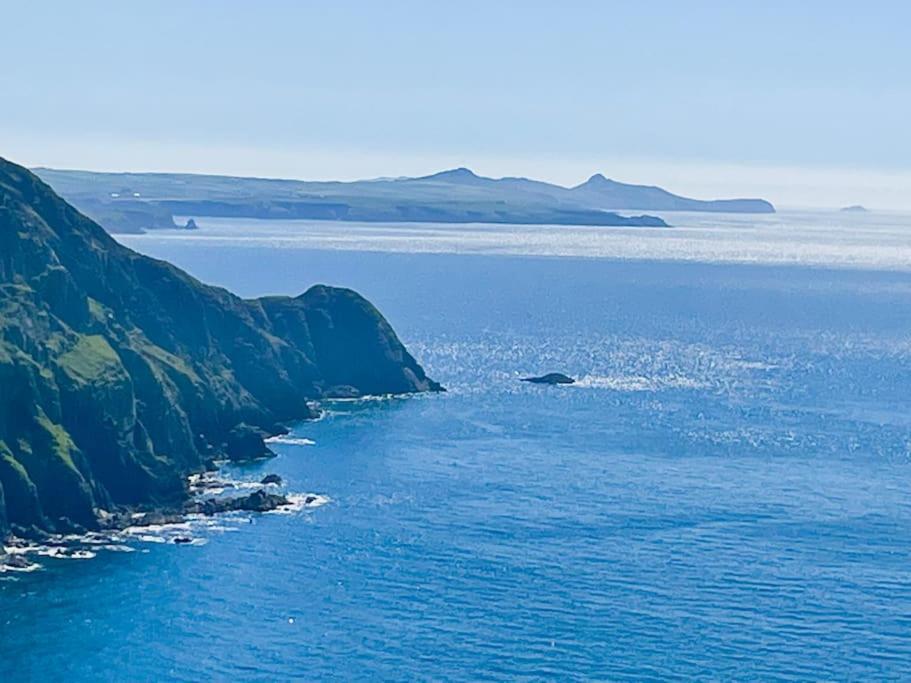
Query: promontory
120, 375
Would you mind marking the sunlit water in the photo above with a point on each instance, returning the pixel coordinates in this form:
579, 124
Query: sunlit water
725, 493
879, 240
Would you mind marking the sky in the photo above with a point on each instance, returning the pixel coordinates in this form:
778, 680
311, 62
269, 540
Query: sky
803, 103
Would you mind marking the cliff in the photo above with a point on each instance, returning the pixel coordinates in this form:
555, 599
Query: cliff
121, 374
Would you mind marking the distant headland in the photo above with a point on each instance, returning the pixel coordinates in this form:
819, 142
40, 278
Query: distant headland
135, 202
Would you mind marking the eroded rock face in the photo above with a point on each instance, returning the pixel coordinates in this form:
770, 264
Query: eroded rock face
120, 374
246, 442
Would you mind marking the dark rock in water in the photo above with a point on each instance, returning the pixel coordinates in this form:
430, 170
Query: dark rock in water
309, 499
15, 561
191, 225
258, 501
550, 378
156, 518
341, 391
246, 442
183, 540
271, 479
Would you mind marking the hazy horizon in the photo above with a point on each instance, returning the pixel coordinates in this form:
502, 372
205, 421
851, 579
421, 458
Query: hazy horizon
803, 106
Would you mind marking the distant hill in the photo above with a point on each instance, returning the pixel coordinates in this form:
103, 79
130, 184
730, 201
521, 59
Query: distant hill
130, 202
610, 194
855, 208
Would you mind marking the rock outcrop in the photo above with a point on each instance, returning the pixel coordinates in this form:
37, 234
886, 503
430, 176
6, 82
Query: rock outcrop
550, 378
258, 501
121, 374
246, 442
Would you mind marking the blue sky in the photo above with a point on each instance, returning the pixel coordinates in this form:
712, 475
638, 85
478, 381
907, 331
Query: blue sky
805, 103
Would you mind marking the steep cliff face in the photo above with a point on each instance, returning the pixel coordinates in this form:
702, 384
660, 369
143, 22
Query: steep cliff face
119, 374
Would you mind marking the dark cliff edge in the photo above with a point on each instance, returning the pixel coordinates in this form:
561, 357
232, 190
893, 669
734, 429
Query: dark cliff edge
120, 374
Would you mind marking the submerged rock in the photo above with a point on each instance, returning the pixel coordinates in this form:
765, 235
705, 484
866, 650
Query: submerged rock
550, 378
271, 479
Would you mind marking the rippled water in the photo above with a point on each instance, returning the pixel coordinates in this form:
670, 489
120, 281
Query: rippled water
723, 495
880, 240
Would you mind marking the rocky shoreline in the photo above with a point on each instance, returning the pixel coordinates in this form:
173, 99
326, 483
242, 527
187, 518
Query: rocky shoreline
210, 496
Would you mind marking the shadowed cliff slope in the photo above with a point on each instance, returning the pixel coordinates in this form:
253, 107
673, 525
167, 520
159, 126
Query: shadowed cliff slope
119, 374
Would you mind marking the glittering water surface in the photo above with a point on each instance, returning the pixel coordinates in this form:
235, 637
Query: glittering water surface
879, 240
724, 494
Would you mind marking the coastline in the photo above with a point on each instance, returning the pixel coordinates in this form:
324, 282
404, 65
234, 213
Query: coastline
188, 525
212, 501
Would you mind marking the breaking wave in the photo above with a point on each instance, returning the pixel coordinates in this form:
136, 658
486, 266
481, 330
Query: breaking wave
291, 440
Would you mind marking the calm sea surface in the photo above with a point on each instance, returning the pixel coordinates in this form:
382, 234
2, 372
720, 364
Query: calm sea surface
724, 494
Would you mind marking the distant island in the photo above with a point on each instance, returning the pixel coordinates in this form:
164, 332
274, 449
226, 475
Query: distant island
855, 208
121, 375
134, 202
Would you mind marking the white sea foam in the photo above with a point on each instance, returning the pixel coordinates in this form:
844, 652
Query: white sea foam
22, 549
118, 548
221, 528
26, 569
373, 398
187, 532
291, 440
64, 553
147, 538
301, 501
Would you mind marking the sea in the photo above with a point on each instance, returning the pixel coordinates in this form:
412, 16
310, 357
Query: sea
723, 494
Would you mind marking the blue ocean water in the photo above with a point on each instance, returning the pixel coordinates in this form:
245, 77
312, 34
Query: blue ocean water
723, 495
